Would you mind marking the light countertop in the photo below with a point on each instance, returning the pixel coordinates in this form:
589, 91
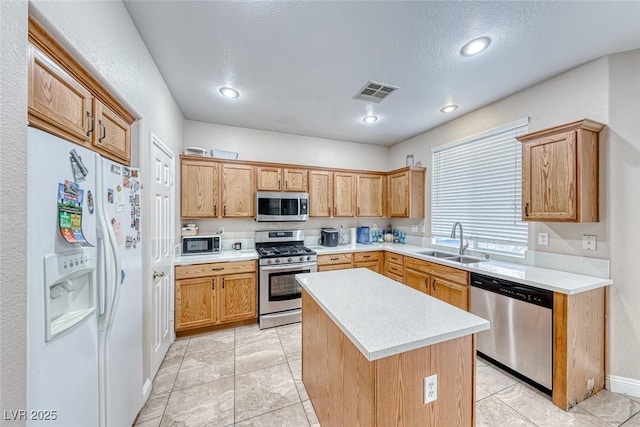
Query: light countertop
544, 278
224, 256
382, 317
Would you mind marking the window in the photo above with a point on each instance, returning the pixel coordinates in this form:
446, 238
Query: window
477, 181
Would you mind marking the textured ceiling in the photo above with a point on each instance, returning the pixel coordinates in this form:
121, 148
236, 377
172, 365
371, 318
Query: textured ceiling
297, 65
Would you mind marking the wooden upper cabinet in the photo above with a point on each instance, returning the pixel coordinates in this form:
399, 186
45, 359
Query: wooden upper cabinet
199, 189
370, 195
238, 192
112, 135
560, 173
344, 201
295, 180
269, 178
406, 193
320, 193
65, 100
57, 102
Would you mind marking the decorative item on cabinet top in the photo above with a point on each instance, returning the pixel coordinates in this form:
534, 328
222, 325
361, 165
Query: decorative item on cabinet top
223, 154
195, 151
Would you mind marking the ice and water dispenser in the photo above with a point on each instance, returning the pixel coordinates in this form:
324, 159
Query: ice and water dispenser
70, 289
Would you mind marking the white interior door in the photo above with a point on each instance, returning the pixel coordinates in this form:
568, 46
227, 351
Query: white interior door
162, 217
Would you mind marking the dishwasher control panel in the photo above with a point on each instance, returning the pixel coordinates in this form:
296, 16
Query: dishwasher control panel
529, 294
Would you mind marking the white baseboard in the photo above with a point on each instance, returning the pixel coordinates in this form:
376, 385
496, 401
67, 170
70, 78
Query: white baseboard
623, 385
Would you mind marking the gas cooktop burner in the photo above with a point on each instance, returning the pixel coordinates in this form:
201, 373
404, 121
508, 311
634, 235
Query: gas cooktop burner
274, 251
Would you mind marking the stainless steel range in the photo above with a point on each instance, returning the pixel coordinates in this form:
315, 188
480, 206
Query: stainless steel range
282, 255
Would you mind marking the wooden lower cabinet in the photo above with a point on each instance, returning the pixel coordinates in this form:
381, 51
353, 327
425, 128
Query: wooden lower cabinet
370, 260
214, 294
335, 262
440, 281
394, 266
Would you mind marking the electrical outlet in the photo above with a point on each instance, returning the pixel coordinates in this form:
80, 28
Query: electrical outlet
375, 226
220, 230
431, 388
589, 243
543, 239
414, 228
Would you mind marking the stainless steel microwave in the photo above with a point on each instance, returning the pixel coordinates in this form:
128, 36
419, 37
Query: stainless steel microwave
276, 206
202, 244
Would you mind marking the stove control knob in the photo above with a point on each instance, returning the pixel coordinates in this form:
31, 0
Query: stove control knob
269, 261
308, 258
290, 259
301, 258
277, 260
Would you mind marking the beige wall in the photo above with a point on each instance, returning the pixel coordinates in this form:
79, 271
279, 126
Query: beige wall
13, 204
606, 90
622, 204
574, 95
277, 147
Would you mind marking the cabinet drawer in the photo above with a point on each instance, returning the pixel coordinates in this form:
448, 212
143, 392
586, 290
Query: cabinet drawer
395, 277
395, 269
335, 259
366, 256
214, 269
449, 273
394, 258
330, 267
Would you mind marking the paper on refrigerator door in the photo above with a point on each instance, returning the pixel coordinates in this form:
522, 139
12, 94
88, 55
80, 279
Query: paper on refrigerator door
70, 197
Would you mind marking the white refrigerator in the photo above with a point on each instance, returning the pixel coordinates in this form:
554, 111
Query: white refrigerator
84, 287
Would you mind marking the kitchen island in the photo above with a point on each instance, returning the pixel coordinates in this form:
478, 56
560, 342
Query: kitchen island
368, 343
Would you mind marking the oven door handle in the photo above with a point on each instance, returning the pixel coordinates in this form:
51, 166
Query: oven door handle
286, 267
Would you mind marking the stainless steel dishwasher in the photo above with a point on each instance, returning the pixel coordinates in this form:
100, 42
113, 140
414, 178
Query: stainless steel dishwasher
521, 333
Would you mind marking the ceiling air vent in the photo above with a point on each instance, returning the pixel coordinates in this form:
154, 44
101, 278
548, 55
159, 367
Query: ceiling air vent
375, 92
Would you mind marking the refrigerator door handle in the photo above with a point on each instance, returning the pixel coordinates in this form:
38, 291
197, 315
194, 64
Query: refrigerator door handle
102, 269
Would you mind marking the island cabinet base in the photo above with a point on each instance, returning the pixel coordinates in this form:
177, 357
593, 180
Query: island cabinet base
346, 389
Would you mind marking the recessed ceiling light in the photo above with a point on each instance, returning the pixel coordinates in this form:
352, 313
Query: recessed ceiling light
449, 108
475, 46
369, 119
229, 92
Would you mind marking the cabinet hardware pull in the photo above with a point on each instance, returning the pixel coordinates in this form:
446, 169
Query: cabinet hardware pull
93, 123
104, 131
215, 210
286, 185
217, 269
358, 210
224, 210
334, 259
223, 283
278, 184
213, 284
526, 209
366, 256
405, 211
434, 284
335, 210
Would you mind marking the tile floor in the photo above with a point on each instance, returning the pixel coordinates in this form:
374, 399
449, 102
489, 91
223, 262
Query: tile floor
248, 377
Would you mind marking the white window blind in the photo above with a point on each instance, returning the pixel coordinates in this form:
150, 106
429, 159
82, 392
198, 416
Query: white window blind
477, 181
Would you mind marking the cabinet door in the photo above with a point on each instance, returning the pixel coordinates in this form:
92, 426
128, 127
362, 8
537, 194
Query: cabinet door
417, 280
549, 178
238, 297
399, 195
199, 189
112, 136
320, 193
370, 195
295, 180
371, 265
238, 195
344, 194
269, 178
453, 293
57, 102
195, 304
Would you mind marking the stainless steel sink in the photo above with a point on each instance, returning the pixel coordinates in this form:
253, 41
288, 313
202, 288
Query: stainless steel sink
437, 254
466, 259
452, 257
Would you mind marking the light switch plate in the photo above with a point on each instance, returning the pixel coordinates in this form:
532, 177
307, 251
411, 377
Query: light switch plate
543, 239
589, 242
414, 228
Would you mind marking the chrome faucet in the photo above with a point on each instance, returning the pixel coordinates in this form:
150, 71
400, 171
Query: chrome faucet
463, 246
